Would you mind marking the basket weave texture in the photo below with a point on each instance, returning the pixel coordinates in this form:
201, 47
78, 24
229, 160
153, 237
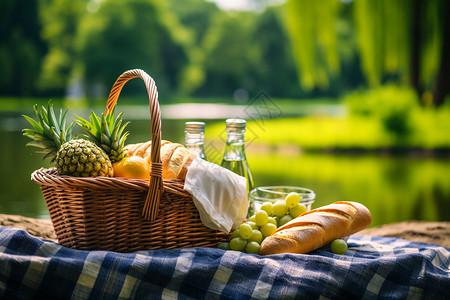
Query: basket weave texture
125, 215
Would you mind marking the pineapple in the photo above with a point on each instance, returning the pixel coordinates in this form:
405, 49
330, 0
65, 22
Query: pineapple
107, 133
83, 158
71, 157
49, 132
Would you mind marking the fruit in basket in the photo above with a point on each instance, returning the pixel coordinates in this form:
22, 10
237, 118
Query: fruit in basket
175, 158
81, 158
132, 167
71, 157
106, 132
49, 131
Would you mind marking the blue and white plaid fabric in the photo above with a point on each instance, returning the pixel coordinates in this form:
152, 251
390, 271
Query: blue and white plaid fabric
372, 268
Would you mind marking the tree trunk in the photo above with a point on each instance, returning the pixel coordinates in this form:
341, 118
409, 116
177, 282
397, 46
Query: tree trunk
442, 84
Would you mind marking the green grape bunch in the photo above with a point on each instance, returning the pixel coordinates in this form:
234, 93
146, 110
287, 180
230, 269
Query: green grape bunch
250, 234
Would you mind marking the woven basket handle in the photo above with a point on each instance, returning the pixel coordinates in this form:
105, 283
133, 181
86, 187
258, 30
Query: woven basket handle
156, 187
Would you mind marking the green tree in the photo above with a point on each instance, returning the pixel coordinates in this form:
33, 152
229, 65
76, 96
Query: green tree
196, 15
274, 71
229, 55
60, 20
311, 28
21, 47
123, 35
401, 40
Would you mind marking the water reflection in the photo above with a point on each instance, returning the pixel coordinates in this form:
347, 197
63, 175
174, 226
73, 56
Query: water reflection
395, 188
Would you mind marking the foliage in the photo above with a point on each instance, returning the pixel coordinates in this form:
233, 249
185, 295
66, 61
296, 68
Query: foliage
190, 47
391, 106
123, 35
21, 48
195, 15
311, 28
274, 71
226, 38
60, 20
383, 40
193, 48
398, 40
398, 123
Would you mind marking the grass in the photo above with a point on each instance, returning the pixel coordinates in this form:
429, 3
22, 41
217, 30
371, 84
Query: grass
387, 118
431, 131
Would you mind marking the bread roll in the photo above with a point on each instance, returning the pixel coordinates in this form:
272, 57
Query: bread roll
175, 158
316, 228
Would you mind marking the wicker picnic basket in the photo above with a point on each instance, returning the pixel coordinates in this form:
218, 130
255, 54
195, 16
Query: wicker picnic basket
125, 215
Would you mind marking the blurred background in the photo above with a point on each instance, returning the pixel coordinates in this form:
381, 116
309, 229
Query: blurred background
348, 98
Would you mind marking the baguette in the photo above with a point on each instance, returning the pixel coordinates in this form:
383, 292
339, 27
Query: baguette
175, 158
316, 228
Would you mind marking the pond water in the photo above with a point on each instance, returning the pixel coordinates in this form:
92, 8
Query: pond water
394, 187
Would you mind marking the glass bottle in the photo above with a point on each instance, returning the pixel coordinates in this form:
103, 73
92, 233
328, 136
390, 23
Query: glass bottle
234, 158
194, 134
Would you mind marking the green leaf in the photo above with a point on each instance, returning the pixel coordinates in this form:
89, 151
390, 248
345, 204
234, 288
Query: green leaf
115, 145
44, 115
52, 117
83, 123
104, 126
123, 139
110, 119
104, 139
106, 148
30, 133
69, 132
95, 122
50, 156
119, 133
35, 124
41, 144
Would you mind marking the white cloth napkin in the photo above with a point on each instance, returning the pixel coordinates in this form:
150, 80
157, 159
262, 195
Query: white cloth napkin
219, 195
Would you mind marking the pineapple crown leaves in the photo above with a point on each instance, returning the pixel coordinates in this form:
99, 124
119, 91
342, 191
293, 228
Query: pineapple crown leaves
107, 132
49, 132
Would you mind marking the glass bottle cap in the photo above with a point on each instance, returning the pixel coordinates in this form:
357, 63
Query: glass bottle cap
195, 126
235, 124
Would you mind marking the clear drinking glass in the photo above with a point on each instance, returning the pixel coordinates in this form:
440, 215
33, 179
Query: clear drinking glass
263, 194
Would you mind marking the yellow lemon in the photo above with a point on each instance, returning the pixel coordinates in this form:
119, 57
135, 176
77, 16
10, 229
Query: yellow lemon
134, 167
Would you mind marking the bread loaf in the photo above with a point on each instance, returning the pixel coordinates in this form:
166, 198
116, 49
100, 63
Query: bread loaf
175, 158
316, 228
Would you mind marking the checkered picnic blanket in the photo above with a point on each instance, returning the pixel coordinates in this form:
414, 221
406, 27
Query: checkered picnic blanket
372, 268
